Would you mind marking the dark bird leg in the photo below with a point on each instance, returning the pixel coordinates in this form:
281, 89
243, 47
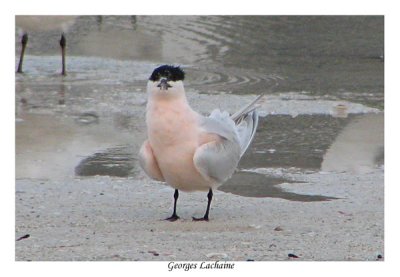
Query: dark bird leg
205, 218
63, 43
24, 42
174, 216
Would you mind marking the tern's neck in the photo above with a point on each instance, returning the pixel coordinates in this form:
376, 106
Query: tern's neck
163, 98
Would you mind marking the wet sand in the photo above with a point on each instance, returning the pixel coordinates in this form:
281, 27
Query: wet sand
103, 218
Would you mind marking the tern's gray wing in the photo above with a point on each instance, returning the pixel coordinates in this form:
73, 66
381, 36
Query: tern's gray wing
217, 160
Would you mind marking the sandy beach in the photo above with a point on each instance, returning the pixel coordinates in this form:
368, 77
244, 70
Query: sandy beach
106, 218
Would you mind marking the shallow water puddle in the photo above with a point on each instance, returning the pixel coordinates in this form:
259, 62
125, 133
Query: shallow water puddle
117, 162
252, 184
339, 56
317, 141
51, 146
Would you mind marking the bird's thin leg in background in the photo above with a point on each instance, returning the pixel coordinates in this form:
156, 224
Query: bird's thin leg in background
63, 43
24, 42
174, 216
205, 218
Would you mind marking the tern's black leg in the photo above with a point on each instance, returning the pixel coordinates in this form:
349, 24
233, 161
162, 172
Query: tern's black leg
63, 43
174, 216
205, 218
24, 42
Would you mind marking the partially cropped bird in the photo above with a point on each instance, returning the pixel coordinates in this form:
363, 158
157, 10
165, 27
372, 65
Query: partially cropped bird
27, 24
185, 149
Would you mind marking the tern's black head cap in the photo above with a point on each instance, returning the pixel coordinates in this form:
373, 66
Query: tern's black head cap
173, 73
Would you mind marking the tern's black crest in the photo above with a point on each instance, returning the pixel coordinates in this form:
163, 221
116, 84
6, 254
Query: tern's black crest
173, 73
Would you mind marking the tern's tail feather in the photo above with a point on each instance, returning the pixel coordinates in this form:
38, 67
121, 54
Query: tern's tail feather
246, 120
247, 109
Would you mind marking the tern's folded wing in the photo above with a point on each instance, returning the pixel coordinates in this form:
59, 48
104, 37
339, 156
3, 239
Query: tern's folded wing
217, 160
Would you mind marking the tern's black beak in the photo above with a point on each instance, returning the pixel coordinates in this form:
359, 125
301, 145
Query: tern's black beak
164, 84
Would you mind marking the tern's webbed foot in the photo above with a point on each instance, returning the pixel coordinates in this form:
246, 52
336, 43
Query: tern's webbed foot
200, 218
172, 218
